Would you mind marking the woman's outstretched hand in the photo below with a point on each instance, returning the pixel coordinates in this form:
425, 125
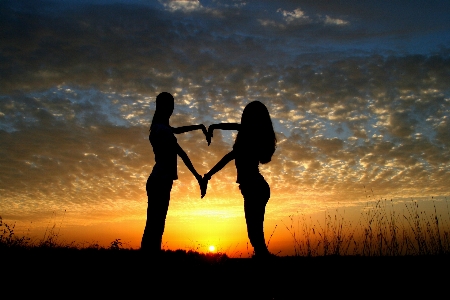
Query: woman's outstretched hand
210, 133
206, 133
204, 185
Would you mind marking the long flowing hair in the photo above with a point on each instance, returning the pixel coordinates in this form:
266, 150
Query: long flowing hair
256, 133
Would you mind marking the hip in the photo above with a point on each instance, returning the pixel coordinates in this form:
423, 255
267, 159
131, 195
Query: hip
155, 183
257, 188
164, 171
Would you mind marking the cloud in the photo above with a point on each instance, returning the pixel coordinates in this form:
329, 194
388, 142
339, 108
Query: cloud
182, 5
78, 88
297, 15
338, 22
400, 124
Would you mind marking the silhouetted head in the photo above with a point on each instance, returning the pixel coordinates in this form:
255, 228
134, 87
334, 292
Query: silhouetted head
165, 104
255, 115
164, 108
257, 132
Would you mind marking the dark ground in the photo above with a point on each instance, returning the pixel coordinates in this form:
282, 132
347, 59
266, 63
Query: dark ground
70, 273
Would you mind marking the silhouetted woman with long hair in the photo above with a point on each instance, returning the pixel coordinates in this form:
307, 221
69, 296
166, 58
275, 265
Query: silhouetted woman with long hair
255, 143
159, 183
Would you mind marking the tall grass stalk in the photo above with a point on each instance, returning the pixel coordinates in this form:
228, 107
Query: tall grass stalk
380, 231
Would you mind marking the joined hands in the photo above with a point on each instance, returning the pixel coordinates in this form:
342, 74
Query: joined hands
208, 133
203, 181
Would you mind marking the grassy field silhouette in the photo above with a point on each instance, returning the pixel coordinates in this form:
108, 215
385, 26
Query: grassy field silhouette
388, 253
380, 231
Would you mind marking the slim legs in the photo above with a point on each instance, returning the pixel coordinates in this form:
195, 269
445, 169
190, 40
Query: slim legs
158, 193
256, 195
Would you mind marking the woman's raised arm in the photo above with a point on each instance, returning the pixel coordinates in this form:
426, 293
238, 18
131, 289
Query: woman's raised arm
183, 129
188, 162
219, 166
223, 126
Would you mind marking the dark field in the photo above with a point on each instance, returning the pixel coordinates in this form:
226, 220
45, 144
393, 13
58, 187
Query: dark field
105, 273
380, 258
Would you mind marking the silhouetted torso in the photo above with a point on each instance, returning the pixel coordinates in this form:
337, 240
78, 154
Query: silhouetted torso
247, 166
164, 145
246, 152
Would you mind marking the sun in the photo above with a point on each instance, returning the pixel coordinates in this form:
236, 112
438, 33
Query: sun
212, 248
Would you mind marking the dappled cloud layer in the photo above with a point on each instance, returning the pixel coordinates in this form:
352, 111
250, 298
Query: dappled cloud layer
78, 84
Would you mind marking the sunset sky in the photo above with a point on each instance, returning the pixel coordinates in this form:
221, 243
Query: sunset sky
358, 92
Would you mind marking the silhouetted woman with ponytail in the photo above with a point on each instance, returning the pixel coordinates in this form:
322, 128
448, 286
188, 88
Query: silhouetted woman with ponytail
159, 183
255, 143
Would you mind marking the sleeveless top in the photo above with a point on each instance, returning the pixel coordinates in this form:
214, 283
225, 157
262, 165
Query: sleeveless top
164, 145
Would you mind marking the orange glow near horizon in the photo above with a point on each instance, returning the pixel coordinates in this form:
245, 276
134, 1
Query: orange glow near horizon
206, 233
197, 224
